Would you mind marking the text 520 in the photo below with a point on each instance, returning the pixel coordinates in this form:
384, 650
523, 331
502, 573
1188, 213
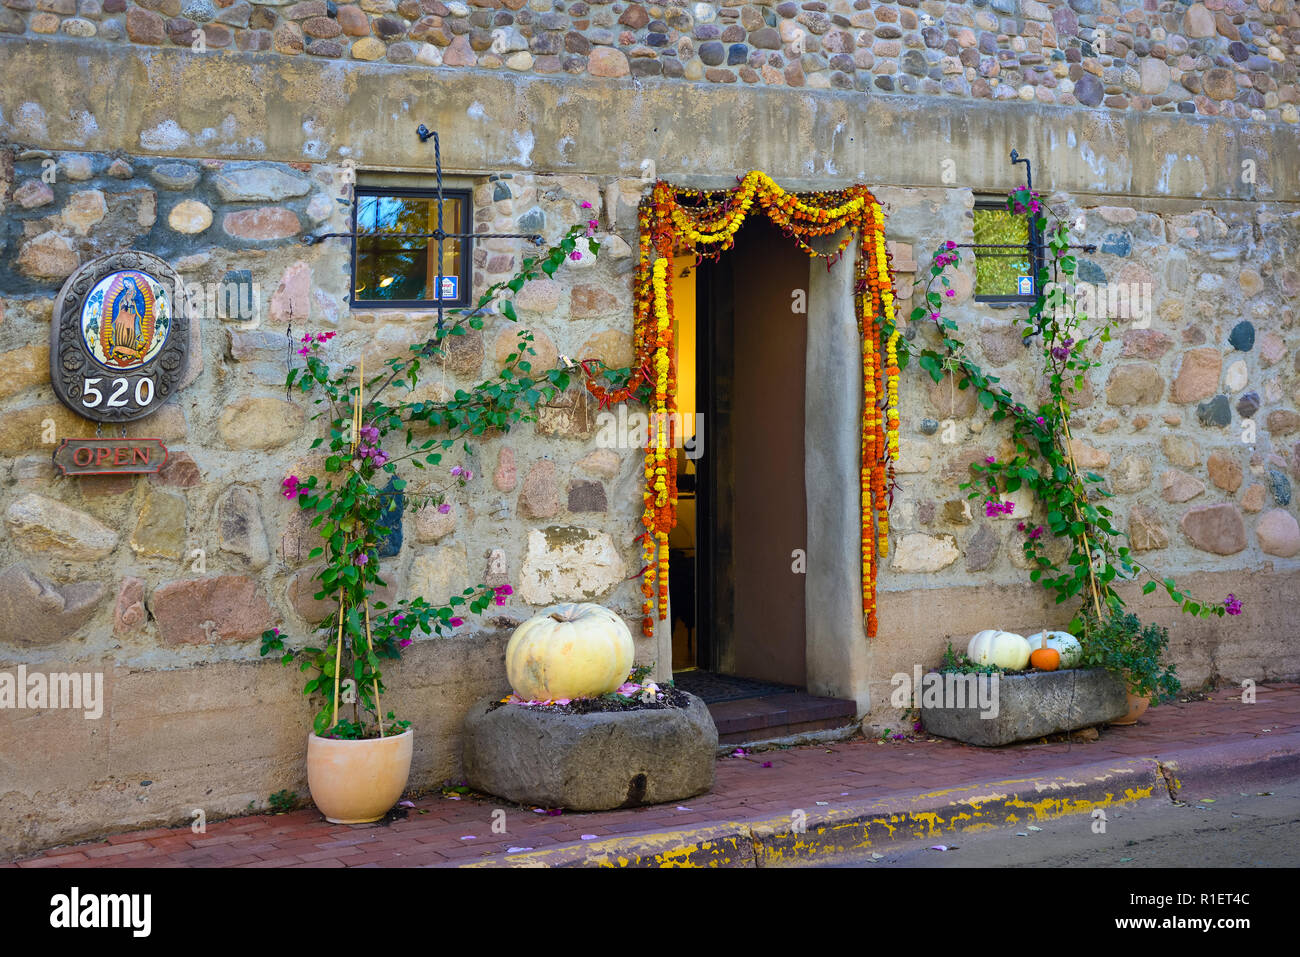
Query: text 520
116, 393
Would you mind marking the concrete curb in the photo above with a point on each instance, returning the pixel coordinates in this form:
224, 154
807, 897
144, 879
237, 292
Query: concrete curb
933, 815
1266, 758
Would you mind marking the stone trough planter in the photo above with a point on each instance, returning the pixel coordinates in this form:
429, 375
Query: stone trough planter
590, 762
1024, 706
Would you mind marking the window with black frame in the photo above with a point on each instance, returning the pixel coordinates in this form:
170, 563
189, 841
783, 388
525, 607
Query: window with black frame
1007, 255
391, 267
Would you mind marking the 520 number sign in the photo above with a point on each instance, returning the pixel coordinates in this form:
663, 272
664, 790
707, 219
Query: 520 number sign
120, 337
123, 392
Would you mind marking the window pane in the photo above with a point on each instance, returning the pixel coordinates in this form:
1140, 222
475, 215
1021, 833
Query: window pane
405, 269
998, 271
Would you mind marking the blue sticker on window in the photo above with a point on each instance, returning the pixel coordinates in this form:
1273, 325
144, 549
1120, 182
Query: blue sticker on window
449, 284
1025, 286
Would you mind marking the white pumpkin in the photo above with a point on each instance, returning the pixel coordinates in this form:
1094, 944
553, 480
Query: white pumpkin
1001, 648
569, 651
1064, 643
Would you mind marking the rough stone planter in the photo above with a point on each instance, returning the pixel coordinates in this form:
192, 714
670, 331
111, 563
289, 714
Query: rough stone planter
1028, 706
590, 762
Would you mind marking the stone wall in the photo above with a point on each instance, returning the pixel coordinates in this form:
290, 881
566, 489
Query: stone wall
1191, 420
221, 163
164, 574
1215, 58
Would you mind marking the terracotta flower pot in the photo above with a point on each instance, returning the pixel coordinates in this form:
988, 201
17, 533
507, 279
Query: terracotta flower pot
1136, 708
356, 782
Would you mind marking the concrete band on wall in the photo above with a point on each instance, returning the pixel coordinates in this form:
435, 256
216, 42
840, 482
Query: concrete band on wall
251, 106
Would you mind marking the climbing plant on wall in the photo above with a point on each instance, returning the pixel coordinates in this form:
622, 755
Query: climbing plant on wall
1043, 462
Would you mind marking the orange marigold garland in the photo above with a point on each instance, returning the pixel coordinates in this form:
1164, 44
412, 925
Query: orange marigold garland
675, 220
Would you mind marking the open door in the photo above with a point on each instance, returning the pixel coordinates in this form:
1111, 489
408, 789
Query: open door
749, 504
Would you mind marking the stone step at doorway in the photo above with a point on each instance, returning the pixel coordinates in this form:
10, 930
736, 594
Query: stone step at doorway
747, 710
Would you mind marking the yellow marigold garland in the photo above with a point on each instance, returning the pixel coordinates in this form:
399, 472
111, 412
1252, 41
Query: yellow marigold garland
673, 219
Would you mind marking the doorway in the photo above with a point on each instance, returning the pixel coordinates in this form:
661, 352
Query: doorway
743, 507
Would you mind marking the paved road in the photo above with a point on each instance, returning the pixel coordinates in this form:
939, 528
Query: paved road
1231, 829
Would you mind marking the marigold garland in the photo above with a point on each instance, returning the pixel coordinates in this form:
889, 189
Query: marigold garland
672, 220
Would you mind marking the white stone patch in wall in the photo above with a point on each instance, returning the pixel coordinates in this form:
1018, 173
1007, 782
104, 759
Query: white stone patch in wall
1235, 379
164, 137
524, 143
924, 553
586, 257
569, 563
1023, 499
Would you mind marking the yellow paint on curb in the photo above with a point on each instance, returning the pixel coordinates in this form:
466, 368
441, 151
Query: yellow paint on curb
774, 842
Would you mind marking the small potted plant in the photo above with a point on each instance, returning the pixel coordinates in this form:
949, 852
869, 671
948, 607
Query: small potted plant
1121, 643
357, 766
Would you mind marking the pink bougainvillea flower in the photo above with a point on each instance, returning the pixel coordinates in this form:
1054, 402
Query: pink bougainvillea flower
504, 590
950, 245
586, 205
575, 255
767, 764
361, 558
456, 622
1040, 420
290, 486
990, 459
1020, 526
738, 753
444, 508
405, 641
1036, 532
303, 351
628, 688
991, 508
456, 470
1232, 604
950, 293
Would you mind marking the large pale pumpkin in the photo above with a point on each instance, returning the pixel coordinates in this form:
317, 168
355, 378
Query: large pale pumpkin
1001, 648
569, 651
1064, 643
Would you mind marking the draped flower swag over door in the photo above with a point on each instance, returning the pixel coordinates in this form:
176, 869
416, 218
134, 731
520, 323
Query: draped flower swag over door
673, 221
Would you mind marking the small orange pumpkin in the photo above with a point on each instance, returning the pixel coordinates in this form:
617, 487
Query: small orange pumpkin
1045, 659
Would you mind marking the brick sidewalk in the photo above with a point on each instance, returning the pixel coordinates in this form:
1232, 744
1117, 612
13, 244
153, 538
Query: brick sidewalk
442, 829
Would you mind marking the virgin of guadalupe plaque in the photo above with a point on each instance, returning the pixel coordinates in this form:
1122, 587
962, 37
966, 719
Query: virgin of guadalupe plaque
120, 337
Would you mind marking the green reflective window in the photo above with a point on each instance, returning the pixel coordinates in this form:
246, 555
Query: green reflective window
1002, 273
390, 269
